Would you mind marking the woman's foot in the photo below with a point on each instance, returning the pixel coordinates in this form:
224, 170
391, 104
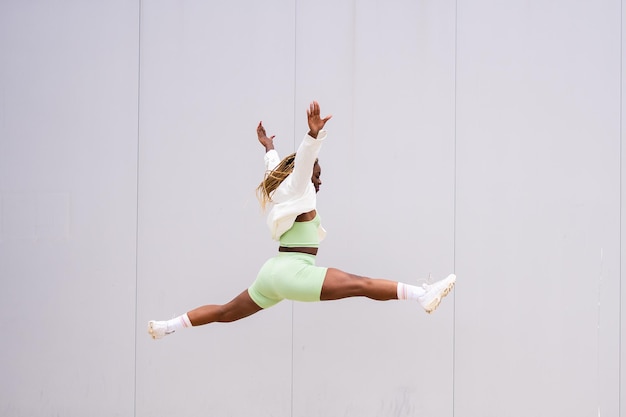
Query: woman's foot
435, 292
158, 329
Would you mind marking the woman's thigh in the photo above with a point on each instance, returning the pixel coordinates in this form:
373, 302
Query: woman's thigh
339, 284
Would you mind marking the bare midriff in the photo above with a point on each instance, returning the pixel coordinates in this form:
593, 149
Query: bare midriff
303, 249
306, 217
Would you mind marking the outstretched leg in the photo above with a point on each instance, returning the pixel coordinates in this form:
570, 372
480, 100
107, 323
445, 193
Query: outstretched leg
238, 308
339, 284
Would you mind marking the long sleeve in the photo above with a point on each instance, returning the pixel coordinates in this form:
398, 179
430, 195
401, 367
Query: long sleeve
306, 155
271, 159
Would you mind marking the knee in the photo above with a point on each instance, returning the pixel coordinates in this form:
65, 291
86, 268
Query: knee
353, 285
362, 285
226, 313
238, 308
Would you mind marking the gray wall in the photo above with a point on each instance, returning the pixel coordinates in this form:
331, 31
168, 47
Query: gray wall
479, 137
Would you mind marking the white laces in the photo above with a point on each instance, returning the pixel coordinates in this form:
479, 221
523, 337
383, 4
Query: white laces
428, 282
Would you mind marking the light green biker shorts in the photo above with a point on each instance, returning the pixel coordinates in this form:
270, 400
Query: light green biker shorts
288, 275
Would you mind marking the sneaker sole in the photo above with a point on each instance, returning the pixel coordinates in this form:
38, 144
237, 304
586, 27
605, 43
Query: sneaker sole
151, 330
433, 306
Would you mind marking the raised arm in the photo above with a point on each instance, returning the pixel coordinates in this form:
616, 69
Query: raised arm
309, 148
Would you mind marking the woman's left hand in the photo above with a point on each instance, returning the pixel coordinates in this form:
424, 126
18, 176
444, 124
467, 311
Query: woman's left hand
316, 122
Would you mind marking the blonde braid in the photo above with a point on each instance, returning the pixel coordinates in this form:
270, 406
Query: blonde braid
273, 179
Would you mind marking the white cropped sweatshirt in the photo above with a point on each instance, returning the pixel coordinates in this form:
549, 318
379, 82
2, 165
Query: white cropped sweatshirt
296, 194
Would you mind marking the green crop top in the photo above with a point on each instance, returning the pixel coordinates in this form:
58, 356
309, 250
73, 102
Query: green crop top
302, 234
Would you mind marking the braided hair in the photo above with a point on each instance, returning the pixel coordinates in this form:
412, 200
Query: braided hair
274, 178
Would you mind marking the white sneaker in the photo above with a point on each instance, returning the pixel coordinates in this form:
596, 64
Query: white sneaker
158, 329
435, 292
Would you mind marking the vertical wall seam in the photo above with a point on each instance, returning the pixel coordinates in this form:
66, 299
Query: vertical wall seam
454, 203
621, 156
295, 85
353, 81
137, 205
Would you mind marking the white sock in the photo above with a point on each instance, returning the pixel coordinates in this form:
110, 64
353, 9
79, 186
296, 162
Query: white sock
409, 292
178, 323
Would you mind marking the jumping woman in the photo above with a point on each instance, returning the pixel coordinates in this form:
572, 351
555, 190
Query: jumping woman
290, 186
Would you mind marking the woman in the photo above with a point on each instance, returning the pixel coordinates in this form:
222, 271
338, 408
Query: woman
290, 186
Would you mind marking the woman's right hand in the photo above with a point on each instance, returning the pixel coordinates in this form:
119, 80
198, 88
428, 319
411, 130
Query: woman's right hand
268, 143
